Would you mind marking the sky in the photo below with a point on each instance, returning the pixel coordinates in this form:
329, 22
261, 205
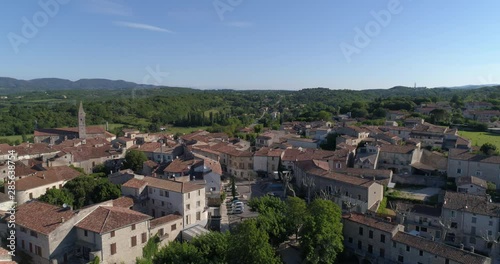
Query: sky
254, 44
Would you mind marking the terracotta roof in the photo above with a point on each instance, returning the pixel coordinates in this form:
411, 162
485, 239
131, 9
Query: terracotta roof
307, 165
105, 219
321, 169
134, 183
68, 130
461, 154
213, 165
472, 180
50, 176
85, 152
164, 219
181, 187
149, 146
150, 163
181, 166
371, 222
397, 149
439, 249
33, 149
470, 203
125, 202
367, 172
41, 217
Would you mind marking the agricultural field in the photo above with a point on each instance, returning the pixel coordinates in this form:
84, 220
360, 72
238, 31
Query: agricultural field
184, 130
479, 138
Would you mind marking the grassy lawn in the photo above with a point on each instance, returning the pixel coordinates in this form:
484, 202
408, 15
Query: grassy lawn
15, 137
184, 130
479, 138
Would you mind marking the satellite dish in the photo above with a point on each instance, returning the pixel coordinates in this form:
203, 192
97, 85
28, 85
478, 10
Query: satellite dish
65, 206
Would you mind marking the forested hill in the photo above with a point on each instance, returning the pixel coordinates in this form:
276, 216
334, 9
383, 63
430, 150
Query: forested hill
11, 85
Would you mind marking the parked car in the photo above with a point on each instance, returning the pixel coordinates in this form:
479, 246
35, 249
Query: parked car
237, 203
238, 210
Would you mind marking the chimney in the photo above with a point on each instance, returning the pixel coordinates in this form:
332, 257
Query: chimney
62, 219
472, 249
462, 246
43, 176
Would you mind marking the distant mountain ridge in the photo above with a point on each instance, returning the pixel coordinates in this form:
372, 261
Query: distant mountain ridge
11, 85
14, 85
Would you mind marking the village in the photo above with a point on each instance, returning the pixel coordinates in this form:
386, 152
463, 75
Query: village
407, 190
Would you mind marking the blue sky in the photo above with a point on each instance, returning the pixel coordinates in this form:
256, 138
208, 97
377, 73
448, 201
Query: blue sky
254, 44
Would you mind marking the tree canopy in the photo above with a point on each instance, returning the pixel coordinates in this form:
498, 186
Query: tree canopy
134, 159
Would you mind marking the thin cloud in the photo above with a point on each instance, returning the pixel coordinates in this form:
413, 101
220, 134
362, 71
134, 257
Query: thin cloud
141, 26
109, 7
240, 24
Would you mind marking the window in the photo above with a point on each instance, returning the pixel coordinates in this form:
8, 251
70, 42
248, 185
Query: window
150, 190
113, 248
407, 248
188, 206
447, 261
173, 227
198, 216
189, 195
474, 219
382, 253
166, 194
472, 240
393, 244
112, 233
31, 247
454, 225
38, 250
370, 234
161, 232
350, 240
199, 192
490, 223
162, 213
187, 219
459, 171
33, 233
423, 229
401, 259
133, 227
382, 238
370, 249
24, 229
490, 233
133, 241
22, 244
452, 213
198, 204
360, 244
31, 196
421, 253
360, 231
144, 238
153, 201
479, 173
162, 203
85, 233
473, 230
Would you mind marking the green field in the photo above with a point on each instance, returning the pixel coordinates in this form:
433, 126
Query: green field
15, 137
184, 130
479, 138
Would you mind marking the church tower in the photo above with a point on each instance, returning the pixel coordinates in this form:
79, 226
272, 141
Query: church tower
82, 131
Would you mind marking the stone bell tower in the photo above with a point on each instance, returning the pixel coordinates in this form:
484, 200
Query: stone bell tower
82, 131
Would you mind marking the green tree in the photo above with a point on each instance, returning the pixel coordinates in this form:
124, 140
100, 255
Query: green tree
249, 245
57, 197
488, 149
178, 252
134, 159
325, 116
296, 210
258, 128
96, 260
149, 251
330, 142
233, 187
321, 236
213, 247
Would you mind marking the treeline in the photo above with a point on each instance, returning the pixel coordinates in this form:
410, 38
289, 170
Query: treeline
149, 110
